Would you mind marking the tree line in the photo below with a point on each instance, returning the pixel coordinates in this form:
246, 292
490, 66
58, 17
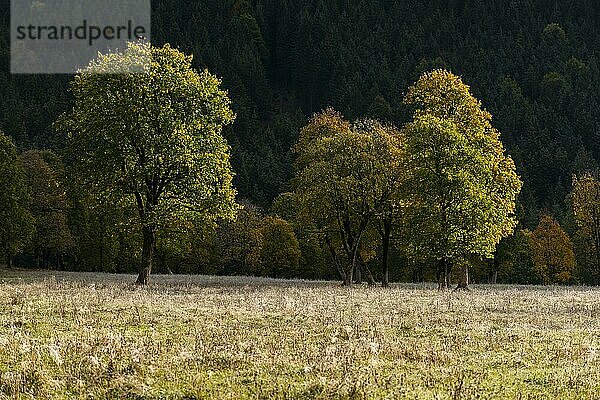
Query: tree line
532, 63
149, 183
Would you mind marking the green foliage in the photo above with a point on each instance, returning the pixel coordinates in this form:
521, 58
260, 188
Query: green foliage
259, 245
314, 259
585, 201
441, 94
346, 175
106, 234
186, 247
239, 242
462, 186
554, 34
380, 109
49, 207
17, 224
278, 58
280, 251
156, 135
512, 261
153, 137
534, 66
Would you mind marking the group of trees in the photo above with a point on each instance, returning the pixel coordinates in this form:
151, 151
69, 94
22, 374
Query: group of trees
34, 206
149, 182
17, 222
533, 64
441, 187
52, 219
552, 254
149, 146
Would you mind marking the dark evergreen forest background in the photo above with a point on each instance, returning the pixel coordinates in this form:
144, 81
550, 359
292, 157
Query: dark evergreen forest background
533, 63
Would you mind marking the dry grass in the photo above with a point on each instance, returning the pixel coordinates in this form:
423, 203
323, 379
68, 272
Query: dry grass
96, 336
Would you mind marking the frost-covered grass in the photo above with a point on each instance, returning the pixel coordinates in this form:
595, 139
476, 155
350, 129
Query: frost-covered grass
90, 335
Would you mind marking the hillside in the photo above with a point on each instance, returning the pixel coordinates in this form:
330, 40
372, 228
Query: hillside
533, 64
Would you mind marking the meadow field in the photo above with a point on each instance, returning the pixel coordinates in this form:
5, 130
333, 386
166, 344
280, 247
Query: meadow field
80, 335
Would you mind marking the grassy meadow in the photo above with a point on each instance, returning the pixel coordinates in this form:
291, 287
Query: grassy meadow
79, 335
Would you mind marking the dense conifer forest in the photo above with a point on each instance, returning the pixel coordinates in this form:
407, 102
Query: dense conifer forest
532, 63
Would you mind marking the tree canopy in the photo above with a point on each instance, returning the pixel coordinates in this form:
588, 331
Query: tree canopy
585, 200
462, 186
347, 174
17, 222
153, 138
49, 207
552, 252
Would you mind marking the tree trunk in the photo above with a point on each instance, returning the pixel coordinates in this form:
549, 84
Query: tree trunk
348, 274
463, 282
416, 276
447, 271
357, 273
362, 266
387, 230
9, 260
347, 279
496, 268
439, 274
597, 259
495, 277
147, 255
336, 261
443, 274
352, 250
